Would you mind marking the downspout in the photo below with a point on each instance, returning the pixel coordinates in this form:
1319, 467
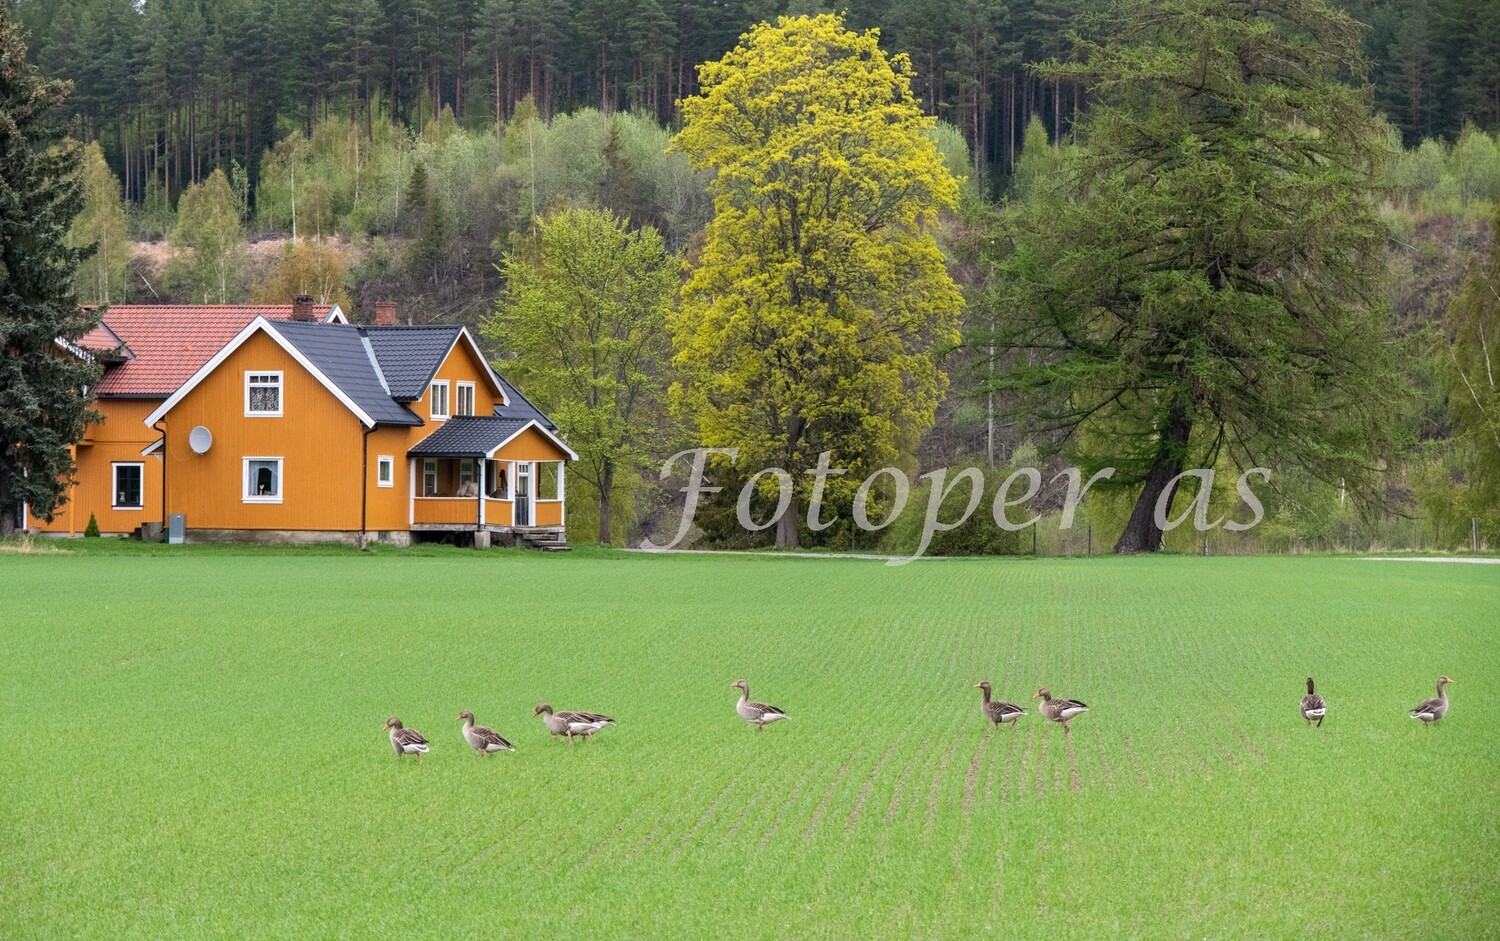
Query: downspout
164, 516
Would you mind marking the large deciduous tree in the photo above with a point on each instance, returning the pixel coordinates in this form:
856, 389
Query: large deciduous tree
585, 310
43, 409
1205, 273
808, 321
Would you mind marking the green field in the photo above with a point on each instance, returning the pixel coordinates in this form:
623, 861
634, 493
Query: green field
193, 748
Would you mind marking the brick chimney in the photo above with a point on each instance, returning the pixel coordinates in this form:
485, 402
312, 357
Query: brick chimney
302, 307
385, 313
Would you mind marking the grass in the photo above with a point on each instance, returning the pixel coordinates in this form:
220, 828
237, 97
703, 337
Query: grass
193, 747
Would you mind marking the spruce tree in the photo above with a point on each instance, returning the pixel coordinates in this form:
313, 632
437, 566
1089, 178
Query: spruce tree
43, 410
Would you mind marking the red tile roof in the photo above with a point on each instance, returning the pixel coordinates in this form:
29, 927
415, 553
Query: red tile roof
171, 342
101, 339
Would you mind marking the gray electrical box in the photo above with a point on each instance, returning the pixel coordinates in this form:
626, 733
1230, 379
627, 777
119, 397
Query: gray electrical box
176, 529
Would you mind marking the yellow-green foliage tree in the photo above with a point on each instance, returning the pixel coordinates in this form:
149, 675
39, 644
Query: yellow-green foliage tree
809, 320
585, 312
102, 278
313, 268
208, 222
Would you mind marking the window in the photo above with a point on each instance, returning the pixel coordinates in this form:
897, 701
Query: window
440, 400
429, 477
128, 486
465, 403
385, 473
465, 473
262, 480
263, 394
549, 480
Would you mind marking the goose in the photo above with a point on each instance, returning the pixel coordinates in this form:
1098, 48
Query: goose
998, 712
1313, 706
406, 741
1434, 709
482, 739
571, 723
757, 712
1059, 710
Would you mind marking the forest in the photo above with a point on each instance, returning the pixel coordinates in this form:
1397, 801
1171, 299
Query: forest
409, 149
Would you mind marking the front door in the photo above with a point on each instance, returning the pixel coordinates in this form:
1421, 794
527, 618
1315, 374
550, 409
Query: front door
523, 494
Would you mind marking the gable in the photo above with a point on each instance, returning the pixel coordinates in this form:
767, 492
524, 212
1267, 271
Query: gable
259, 328
533, 443
168, 343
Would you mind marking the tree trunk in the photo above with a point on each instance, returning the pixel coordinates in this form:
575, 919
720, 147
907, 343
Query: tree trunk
7, 511
786, 527
606, 490
1141, 533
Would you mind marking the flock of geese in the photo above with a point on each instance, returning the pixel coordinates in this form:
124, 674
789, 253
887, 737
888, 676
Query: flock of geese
487, 741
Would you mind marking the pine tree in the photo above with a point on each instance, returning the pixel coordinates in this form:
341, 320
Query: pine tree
43, 410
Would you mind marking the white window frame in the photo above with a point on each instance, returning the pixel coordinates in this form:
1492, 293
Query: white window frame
433, 401
246, 496
280, 393
429, 468
114, 486
467, 472
460, 407
385, 471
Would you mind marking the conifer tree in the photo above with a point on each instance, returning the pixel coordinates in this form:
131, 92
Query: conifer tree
43, 408
1207, 279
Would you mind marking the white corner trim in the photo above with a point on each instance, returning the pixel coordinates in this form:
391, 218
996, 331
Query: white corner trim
256, 325
539, 427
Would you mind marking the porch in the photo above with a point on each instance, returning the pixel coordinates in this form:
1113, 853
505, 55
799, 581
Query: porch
484, 475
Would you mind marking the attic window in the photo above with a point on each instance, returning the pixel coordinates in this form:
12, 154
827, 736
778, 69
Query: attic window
465, 403
439, 401
263, 394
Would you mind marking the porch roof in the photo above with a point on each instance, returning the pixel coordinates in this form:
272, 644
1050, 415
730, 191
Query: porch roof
468, 436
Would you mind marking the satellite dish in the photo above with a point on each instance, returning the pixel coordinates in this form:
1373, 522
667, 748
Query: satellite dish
200, 439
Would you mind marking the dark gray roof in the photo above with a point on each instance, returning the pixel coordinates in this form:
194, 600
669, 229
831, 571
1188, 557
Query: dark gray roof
520, 406
468, 436
410, 355
339, 351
